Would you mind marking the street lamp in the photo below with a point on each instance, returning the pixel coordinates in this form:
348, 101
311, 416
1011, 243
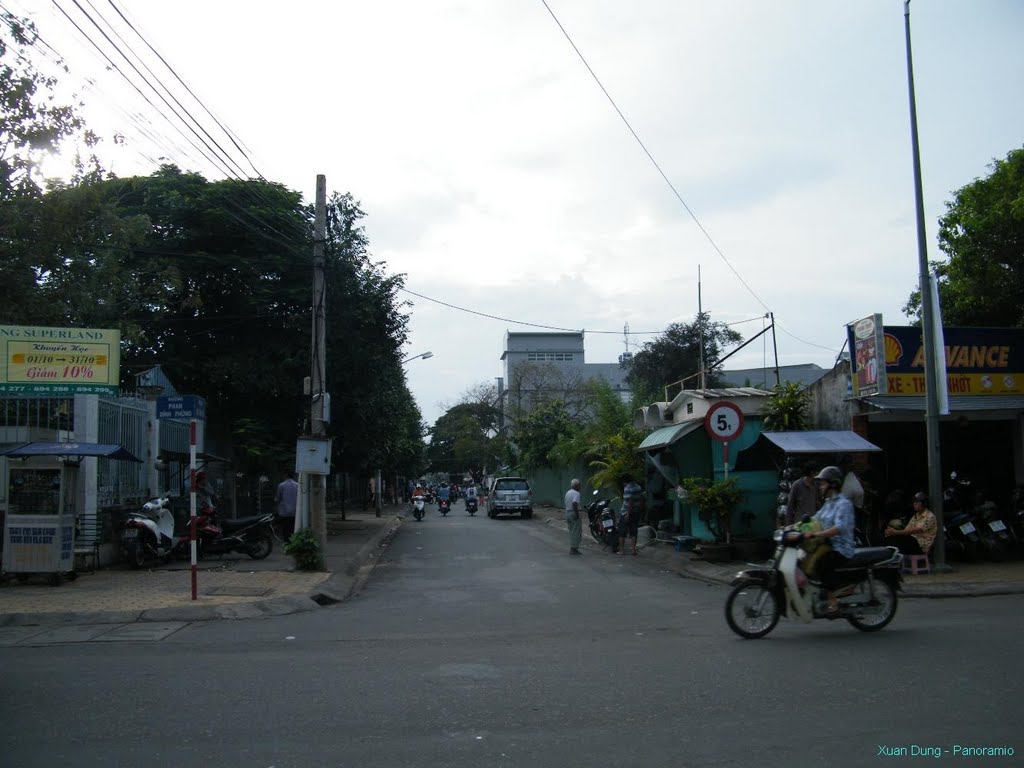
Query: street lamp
424, 355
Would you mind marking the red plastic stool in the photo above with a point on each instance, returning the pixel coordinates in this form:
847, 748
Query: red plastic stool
916, 564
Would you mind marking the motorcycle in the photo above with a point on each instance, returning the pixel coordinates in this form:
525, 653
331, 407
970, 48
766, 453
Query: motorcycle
867, 593
601, 522
149, 533
417, 507
444, 506
252, 536
471, 505
963, 541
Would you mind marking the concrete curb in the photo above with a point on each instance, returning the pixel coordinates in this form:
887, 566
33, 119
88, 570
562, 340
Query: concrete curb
724, 573
341, 586
337, 588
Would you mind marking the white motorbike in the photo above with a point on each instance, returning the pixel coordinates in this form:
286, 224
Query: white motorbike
867, 592
418, 506
149, 533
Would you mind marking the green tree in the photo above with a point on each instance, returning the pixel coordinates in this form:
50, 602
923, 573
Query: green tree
464, 438
213, 281
540, 430
786, 408
982, 234
676, 356
32, 123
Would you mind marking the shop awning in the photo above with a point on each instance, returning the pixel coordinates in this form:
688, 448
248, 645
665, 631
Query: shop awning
75, 450
957, 404
830, 441
760, 455
665, 436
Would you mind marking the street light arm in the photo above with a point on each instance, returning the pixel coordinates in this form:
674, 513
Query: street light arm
423, 355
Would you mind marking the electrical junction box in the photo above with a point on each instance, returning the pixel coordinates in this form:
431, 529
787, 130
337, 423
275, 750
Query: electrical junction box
313, 455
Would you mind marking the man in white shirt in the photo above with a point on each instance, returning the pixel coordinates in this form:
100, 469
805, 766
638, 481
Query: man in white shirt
572, 516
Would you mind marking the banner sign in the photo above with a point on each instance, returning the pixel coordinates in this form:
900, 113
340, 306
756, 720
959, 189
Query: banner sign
59, 361
181, 407
865, 337
979, 361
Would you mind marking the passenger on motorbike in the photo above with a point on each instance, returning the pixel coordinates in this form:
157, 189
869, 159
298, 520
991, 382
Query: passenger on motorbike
837, 523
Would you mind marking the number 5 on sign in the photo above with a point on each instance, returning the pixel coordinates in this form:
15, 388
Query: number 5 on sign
723, 423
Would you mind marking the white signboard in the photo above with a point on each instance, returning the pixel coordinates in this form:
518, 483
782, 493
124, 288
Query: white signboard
39, 543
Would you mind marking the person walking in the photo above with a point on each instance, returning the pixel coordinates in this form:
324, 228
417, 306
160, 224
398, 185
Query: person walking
572, 516
286, 499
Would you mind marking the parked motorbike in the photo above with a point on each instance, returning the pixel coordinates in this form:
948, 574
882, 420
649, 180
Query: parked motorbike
963, 541
996, 539
601, 521
444, 506
149, 533
418, 507
252, 536
471, 505
867, 593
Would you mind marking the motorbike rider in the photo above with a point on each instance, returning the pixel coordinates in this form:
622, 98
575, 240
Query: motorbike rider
836, 517
443, 493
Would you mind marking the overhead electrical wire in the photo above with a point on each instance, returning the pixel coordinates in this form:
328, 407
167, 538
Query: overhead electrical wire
664, 176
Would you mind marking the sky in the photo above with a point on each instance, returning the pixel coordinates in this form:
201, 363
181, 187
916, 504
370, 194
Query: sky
499, 175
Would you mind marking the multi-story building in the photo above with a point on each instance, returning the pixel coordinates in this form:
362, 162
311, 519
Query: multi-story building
540, 367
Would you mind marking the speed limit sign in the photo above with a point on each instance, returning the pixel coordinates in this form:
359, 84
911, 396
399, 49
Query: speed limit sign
724, 421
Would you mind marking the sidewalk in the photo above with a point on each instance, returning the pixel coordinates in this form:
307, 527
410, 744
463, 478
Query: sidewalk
965, 580
232, 587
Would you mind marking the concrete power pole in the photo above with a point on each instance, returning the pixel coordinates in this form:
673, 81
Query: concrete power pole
318, 415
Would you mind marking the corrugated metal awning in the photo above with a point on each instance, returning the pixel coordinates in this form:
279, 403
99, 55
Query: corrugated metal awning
659, 438
823, 441
956, 404
76, 450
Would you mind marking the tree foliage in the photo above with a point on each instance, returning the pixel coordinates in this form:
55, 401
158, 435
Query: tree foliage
213, 281
676, 355
982, 234
786, 408
466, 438
540, 430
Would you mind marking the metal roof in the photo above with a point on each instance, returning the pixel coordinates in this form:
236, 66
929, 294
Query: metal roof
72, 449
824, 441
956, 403
659, 438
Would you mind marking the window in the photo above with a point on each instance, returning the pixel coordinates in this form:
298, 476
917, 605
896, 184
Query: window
550, 357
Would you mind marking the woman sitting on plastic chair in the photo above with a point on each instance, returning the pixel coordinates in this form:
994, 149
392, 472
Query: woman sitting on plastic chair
917, 536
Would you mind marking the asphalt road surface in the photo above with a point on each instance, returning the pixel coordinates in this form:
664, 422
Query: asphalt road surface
481, 642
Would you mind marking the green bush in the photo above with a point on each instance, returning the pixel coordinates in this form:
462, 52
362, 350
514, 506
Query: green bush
305, 550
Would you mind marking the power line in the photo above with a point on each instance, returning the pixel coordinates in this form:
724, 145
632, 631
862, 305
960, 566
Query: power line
651, 157
523, 322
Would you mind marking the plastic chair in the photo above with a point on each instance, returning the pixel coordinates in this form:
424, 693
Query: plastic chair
915, 564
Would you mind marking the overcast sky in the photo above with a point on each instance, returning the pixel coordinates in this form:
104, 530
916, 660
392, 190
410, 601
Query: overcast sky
499, 178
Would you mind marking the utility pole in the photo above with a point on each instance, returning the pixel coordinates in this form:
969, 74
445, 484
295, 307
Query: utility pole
931, 384
317, 414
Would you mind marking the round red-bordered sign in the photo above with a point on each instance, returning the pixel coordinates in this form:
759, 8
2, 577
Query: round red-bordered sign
724, 421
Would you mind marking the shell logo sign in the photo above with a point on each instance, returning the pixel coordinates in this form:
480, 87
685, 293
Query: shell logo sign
893, 350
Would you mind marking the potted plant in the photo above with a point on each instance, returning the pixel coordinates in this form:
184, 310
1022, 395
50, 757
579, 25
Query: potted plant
716, 501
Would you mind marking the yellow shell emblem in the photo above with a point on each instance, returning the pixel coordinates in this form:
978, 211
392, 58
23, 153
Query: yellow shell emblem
893, 350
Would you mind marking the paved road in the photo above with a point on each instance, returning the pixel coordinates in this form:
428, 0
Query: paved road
480, 642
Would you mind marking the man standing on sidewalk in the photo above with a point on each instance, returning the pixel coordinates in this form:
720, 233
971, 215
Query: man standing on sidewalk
572, 516
286, 497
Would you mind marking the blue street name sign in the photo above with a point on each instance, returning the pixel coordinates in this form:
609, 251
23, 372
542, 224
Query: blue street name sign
181, 407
